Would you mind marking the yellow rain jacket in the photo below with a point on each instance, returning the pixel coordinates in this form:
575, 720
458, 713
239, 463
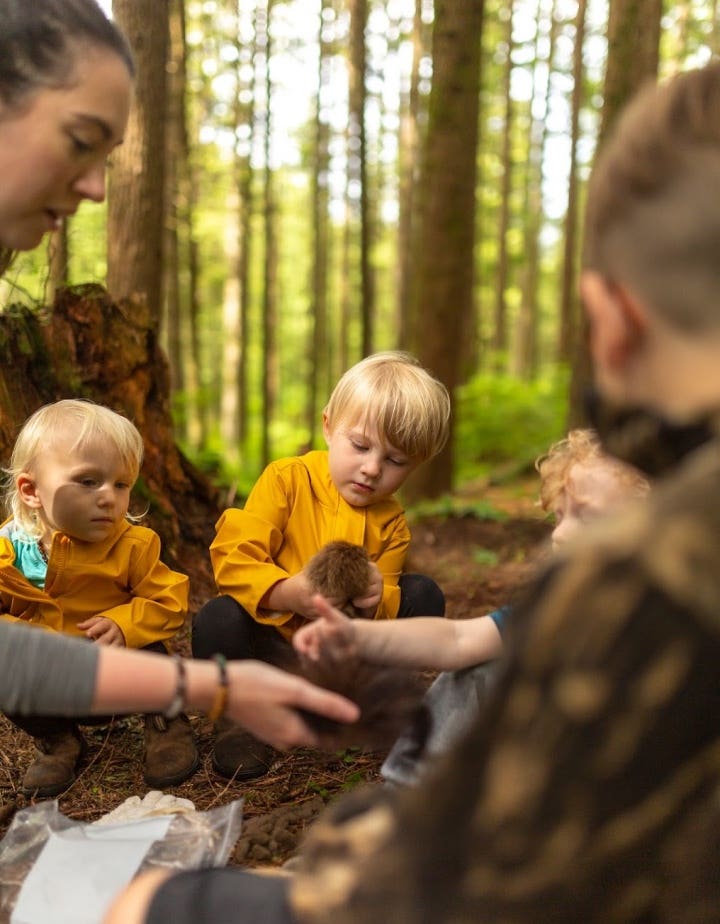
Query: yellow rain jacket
121, 578
292, 511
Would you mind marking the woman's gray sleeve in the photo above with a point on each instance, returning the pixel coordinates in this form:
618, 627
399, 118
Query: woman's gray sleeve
42, 673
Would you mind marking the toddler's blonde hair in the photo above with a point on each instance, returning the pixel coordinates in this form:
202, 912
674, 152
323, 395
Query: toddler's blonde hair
581, 446
88, 422
393, 392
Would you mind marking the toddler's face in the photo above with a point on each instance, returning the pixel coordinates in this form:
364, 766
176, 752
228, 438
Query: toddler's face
364, 468
592, 489
83, 492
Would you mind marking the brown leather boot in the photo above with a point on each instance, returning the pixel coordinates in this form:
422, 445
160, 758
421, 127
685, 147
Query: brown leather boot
238, 754
53, 770
170, 752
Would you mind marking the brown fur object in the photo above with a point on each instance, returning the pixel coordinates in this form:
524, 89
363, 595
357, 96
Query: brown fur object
390, 698
390, 701
340, 571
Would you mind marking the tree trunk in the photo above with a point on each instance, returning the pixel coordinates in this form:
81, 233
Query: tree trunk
445, 257
135, 199
633, 49
318, 343
569, 300
500, 325
269, 299
527, 348
358, 154
409, 147
175, 163
59, 254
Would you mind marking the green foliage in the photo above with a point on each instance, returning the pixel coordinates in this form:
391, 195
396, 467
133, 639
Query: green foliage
485, 556
501, 419
450, 506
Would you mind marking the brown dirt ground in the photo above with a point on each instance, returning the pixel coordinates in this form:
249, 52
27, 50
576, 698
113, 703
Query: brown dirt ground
477, 561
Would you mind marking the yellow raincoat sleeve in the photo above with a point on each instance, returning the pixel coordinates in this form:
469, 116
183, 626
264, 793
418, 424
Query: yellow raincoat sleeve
248, 542
391, 560
159, 602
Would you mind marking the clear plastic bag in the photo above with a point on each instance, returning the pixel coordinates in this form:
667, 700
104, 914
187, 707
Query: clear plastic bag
192, 840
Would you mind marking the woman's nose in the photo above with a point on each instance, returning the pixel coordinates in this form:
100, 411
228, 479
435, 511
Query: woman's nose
91, 183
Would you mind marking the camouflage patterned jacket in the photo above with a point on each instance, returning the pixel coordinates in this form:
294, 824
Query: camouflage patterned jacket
589, 791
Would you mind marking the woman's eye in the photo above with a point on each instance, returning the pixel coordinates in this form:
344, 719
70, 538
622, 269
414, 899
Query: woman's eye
81, 147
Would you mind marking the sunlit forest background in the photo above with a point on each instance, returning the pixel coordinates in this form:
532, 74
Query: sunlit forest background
321, 179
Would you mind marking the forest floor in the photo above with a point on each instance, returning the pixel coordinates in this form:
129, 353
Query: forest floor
477, 560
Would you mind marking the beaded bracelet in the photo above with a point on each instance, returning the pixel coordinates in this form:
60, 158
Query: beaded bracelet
221, 696
178, 701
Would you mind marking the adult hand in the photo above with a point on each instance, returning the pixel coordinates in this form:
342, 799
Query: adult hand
102, 630
331, 634
264, 700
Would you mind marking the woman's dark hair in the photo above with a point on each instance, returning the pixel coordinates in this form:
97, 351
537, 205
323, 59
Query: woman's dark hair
41, 39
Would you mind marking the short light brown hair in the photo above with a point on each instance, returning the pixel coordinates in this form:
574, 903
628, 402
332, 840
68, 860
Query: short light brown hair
578, 447
86, 422
391, 390
652, 220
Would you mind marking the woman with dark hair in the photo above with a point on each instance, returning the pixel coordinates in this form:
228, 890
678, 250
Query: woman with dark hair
66, 80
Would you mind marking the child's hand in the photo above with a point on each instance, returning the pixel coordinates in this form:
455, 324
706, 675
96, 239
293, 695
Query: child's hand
331, 634
373, 595
296, 594
102, 630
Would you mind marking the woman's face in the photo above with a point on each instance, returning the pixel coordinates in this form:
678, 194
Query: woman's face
54, 147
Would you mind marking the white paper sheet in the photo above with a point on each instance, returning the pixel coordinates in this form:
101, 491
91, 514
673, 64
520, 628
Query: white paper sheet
80, 871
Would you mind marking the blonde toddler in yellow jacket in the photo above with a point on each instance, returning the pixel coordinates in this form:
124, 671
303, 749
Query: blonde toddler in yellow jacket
385, 417
71, 562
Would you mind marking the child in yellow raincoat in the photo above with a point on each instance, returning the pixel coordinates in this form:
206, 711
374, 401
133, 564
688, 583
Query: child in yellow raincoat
385, 417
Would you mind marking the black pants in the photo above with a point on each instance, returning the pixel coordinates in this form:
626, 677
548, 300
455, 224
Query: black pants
40, 726
222, 896
223, 626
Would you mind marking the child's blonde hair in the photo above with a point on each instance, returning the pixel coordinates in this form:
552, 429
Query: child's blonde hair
652, 222
87, 422
581, 446
391, 390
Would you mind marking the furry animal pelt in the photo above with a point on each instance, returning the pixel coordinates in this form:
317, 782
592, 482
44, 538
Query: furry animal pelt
390, 701
389, 698
340, 571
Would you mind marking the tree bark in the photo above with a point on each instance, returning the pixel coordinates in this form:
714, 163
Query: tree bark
500, 325
135, 198
409, 147
445, 257
569, 301
269, 297
358, 155
527, 347
318, 341
633, 51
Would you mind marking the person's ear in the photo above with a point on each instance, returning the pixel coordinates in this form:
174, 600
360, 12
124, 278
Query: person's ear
326, 427
618, 321
27, 491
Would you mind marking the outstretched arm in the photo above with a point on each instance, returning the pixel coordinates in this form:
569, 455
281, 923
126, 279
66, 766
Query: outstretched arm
262, 698
443, 644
